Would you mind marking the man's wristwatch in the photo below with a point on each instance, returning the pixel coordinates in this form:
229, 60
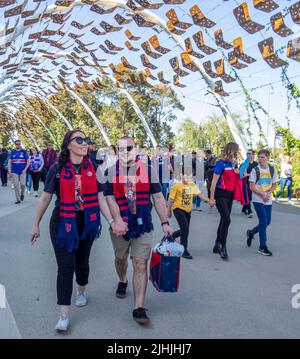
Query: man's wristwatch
111, 221
166, 222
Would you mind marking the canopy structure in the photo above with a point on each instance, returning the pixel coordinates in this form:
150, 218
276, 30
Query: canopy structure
46, 46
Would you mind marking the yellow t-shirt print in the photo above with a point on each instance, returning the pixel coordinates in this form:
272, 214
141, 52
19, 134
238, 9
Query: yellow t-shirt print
182, 195
264, 183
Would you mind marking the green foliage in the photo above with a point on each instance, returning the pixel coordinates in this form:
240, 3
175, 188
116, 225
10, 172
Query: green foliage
289, 141
212, 134
114, 111
291, 147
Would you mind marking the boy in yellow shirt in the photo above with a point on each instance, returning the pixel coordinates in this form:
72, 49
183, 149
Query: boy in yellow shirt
181, 199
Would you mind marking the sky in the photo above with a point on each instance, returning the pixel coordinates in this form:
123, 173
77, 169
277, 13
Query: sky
194, 96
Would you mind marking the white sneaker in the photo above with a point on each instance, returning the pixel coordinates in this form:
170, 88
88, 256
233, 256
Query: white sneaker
81, 299
62, 324
291, 203
250, 215
36, 194
276, 200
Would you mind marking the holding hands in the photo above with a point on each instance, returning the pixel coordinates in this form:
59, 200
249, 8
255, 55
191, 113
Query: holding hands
119, 227
211, 202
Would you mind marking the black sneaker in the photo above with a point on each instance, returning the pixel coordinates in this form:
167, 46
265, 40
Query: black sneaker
140, 316
264, 251
22, 197
17, 202
121, 290
186, 254
250, 236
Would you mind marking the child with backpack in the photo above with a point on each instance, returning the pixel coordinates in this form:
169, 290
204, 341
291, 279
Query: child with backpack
263, 182
181, 199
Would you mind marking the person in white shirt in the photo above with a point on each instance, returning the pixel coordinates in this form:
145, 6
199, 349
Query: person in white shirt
286, 178
263, 182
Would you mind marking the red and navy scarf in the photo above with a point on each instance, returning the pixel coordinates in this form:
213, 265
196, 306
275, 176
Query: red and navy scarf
141, 222
67, 236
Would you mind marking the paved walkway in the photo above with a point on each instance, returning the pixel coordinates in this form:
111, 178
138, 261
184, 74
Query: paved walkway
247, 297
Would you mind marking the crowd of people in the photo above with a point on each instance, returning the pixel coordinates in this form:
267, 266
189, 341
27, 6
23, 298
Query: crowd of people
124, 183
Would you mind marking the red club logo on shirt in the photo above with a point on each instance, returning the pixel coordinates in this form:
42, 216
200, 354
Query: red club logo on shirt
68, 227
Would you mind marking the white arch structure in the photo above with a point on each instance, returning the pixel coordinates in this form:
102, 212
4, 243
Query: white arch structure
27, 131
178, 40
66, 121
88, 109
91, 113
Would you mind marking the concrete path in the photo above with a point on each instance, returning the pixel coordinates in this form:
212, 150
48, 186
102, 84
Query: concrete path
247, 297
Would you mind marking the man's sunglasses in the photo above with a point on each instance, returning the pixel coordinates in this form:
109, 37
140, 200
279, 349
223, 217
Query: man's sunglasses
80, 140
128, 148
18, 144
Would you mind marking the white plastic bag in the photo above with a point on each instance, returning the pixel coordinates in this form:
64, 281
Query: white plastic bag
169, 247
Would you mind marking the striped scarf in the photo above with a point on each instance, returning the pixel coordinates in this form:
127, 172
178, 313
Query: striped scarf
141, 222
67, 236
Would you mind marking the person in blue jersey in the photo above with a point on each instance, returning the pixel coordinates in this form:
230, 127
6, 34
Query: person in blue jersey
18, 164
75, 221
222, 191
36, 166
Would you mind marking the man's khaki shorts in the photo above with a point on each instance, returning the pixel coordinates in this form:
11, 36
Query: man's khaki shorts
139, 248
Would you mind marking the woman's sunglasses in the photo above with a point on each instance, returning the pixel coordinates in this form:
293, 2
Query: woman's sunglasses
128, 148
80, 140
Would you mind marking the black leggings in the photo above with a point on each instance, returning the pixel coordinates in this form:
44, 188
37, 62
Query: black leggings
3, 176
36, 176
68, 263
224, 201
183, 219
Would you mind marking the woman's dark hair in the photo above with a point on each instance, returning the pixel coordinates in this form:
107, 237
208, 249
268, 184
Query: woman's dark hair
64, 151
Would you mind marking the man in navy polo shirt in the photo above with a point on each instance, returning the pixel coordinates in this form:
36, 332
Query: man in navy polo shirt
17, 167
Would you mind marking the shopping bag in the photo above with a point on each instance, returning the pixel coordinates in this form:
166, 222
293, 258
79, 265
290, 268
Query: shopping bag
165, 270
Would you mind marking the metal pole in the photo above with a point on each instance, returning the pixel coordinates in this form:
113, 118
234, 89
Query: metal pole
27, 131
66, 121
91, 113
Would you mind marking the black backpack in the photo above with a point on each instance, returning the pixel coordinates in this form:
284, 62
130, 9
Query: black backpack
257, 171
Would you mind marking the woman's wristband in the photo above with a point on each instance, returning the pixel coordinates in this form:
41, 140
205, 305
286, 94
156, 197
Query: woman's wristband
165, 222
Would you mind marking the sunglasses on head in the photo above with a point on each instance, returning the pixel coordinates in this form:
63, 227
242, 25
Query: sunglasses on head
128, 148
80, 140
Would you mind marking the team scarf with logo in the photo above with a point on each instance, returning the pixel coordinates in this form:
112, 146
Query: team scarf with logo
141, 222
67, 235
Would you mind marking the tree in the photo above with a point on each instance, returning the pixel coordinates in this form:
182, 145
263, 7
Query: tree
212, 134
115, 112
